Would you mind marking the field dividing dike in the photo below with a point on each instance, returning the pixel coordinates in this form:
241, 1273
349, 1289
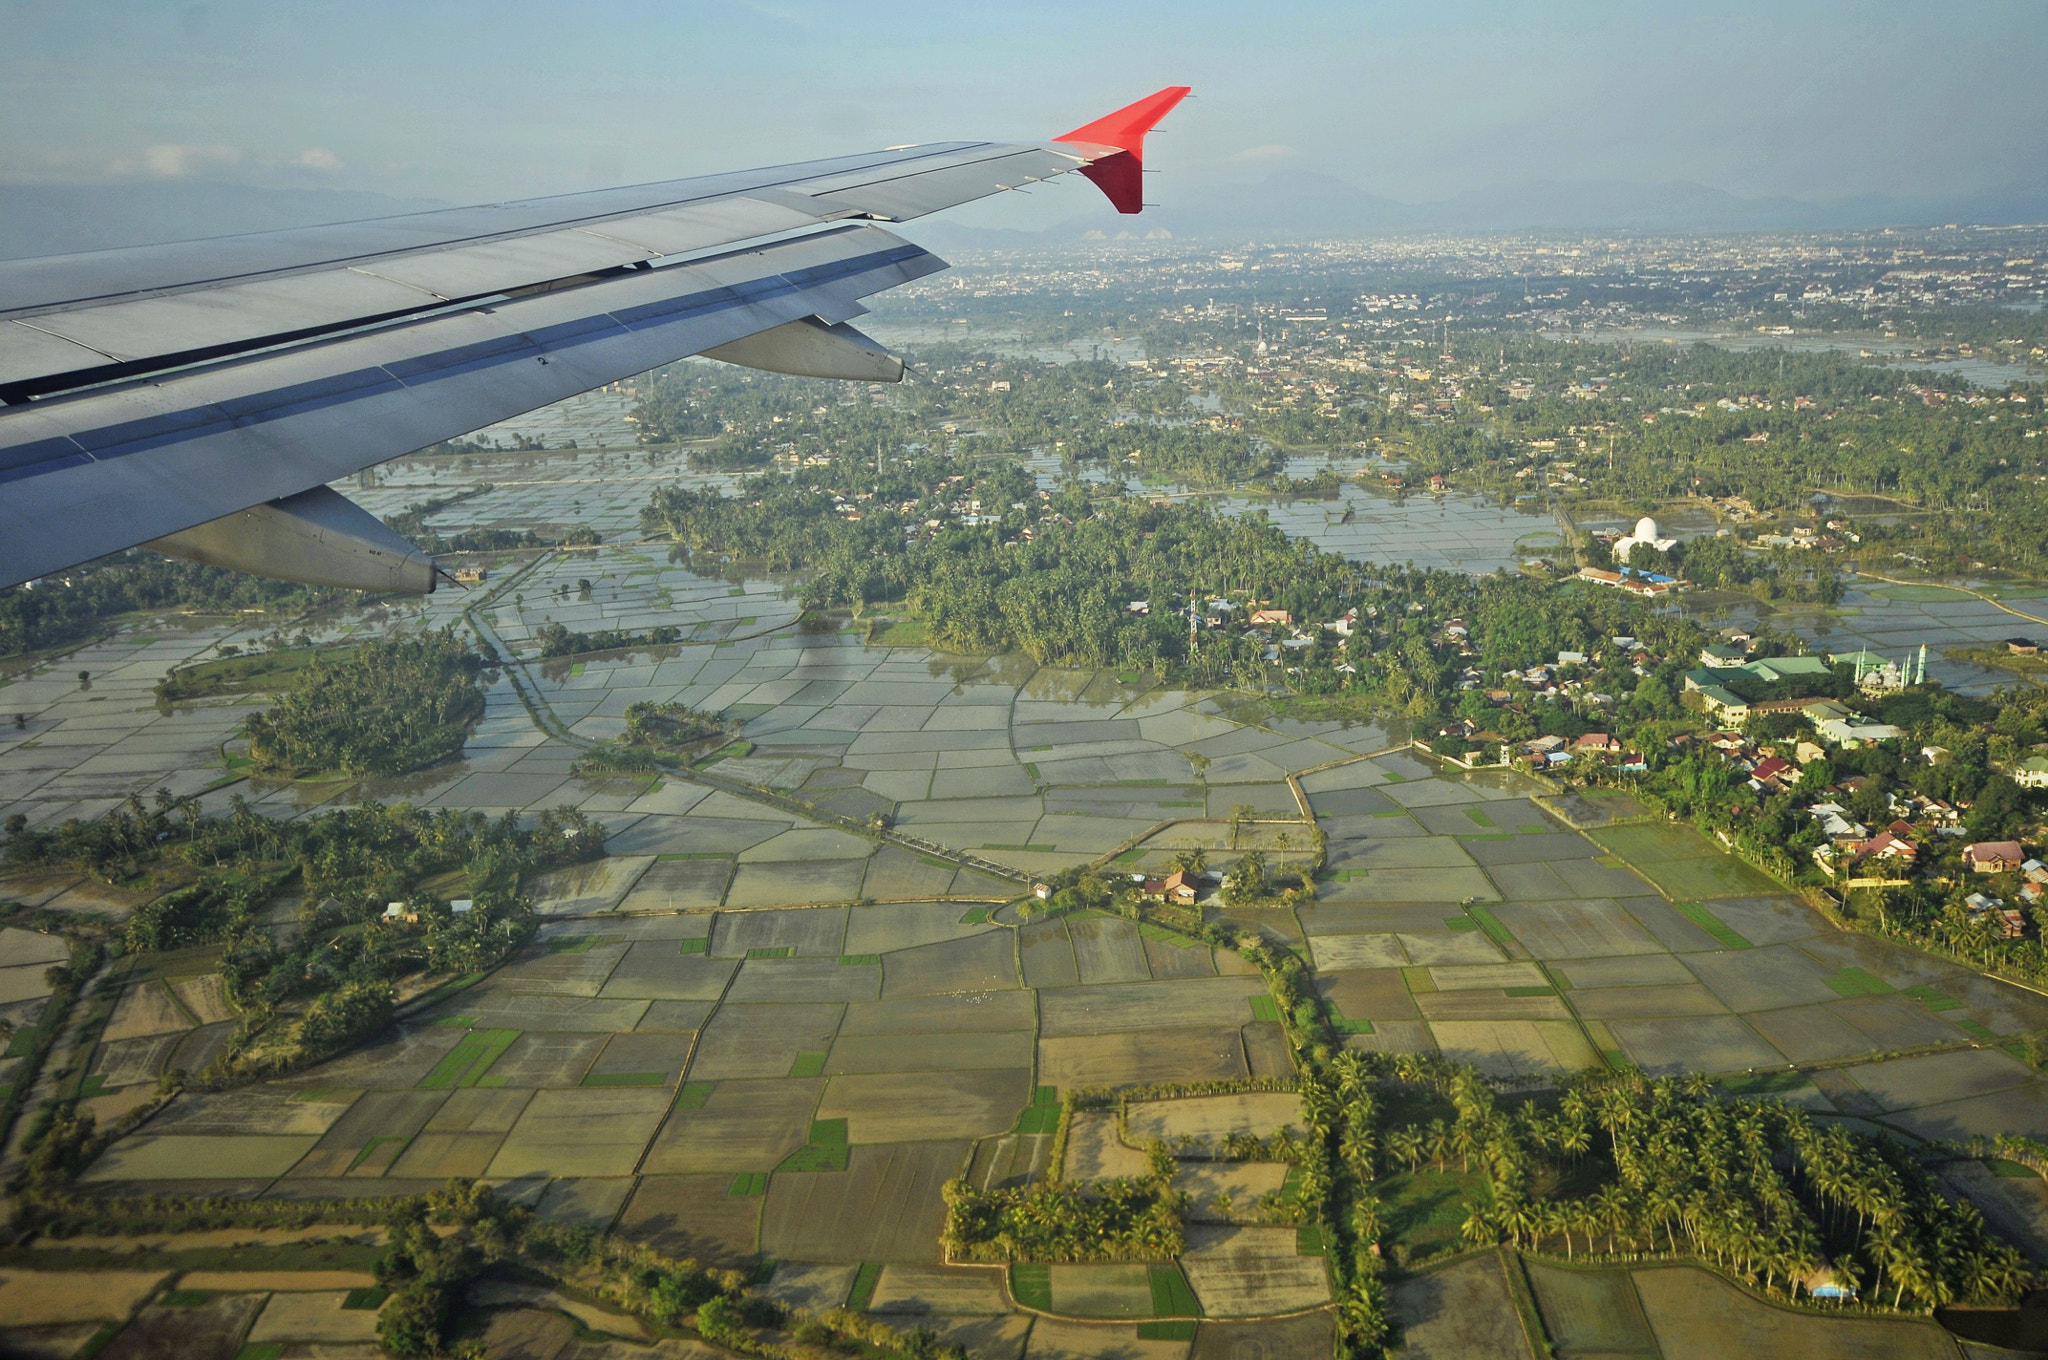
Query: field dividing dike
683, 1082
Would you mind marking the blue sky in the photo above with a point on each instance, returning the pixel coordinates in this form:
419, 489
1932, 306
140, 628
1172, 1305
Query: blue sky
469, 101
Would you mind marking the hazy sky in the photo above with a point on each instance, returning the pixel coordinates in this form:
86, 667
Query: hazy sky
470, 101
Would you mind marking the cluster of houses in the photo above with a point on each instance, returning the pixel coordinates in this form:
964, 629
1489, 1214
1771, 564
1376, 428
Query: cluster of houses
408, 913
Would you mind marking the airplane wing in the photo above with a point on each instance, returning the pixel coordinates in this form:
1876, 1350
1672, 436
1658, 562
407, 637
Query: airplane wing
198, 396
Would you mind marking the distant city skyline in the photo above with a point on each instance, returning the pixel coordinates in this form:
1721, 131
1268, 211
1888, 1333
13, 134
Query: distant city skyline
468, 102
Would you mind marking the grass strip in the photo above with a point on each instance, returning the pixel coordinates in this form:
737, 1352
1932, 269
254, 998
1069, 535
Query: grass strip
974, 916
1532, 991
463, 1064
1723, 935
1477, 816
1166, 1331
1857, 982
1032, 1286
859, 960
260, 1350
1490, 923
366, 1297
1042, 1115
1129, 857
826, 1151
376, 1143
1171, 1296
1265, 1009
749, 1185
697, 946
808, 1065
1353, 1026
1309, 1241
1418, 981
185, 1298
864, 1281
1977, 1030
695, 1094
1933, 998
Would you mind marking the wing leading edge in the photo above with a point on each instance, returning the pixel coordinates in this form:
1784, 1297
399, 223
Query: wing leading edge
162, 388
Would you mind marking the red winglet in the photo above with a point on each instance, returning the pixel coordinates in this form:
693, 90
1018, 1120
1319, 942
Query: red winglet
1121, 176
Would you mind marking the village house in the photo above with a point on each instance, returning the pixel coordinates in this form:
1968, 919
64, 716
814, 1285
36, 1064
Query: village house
1994, 857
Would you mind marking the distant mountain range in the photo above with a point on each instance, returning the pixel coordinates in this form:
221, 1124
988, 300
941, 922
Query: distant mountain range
52, 219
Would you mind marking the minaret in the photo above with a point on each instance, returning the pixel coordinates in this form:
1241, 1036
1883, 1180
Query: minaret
1923, 665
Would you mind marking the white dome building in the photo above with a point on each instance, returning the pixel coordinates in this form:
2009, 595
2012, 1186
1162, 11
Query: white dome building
1646, 532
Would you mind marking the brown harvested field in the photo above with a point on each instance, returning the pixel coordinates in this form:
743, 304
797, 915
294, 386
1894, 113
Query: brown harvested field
776, 980
1467, 977
660, 971
817, 932
1107, 949
527, 1334
1145, 1056
1591, 1311
896, 873
884, 1207
399, 1057
437, 1156
1576, 930
980, 962
37, 1298
375, 1115
492, 1008
887, 1108
1251, 1271
1266, 1052
1205, 1183
1430, 949
779, 882
762, 1041
1107, 1290
1060, 1339
1892, 1022
1048, 954
987, 1011
674, 1017
1368, 994
211, 1331
545, 1060
206, 997
695, 1216
151, 1156
1647, 970
129, 1061
679, 885
591, 1201
1698, 1316
316, 1316
479, 1110
1311, 1334
1905, 1082
253, 1109
744, 1126
1211, 1117
644, 1053
1010, 1160
891, 926
1489, 1005
929, 1052
1462, 1312
1366, 950
815, 1288
598, 1132
1763, 979
1073, 1011
145, 1008
562, 974
948, 1291
1511, 1048
1706, 1043
1171, 959
1094, 1152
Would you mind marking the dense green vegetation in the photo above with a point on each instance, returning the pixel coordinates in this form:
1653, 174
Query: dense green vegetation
1120, 1219
389, 706
76, 604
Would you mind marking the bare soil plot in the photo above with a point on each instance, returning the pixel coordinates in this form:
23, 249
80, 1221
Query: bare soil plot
1534, 882
1893, 1021
1763, 979
1094, 1152
527, 1334
565, 973
40, 1298
437, 1156
930, 1052
783, 980
131, 1061
1706, 1043
1698, 1316
1147, 1005
1368, 994
1174, 958
313, 1316
1592, 878
163, 1156
1767, 919
680, 885
1105, 1291
1608, 1003
1459, 946
1107, 949
2021, 1110
1905, 1082
643, 1055
1408, 852
496, 1009
1591, 1312
1207, 1183
786, 883
206, 997
589, 1201
894, 873
212, 1329
905, 925
1250, 1271
1206, 1054
1279, 1339
599, 1132
1576, 930
815, 1288
980, 962
763, 1041
1048, 954
1210, 1118
377, 1118
1498, 847
545, 1060
584, 889
952, 1291
1511, 1048
674, 1017
740, 1126
1488, 1005
19, 948
1010, 1160
1461, 977
816, 932
1419, 885
145, 1008
1806, 1033
963, 1013
659, 970
889, 1108
884, 1207
1670, 928
1361, 918
1647, 970
1060, 1339
1462, 1312
1266, 1052
252, 1109
1332, 952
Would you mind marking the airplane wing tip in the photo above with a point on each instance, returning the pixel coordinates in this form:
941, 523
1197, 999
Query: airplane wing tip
1120, 174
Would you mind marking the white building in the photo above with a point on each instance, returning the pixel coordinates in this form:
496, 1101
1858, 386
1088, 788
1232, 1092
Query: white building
1646, 533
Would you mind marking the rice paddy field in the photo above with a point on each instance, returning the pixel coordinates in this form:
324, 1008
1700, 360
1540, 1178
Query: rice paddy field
756, 1033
